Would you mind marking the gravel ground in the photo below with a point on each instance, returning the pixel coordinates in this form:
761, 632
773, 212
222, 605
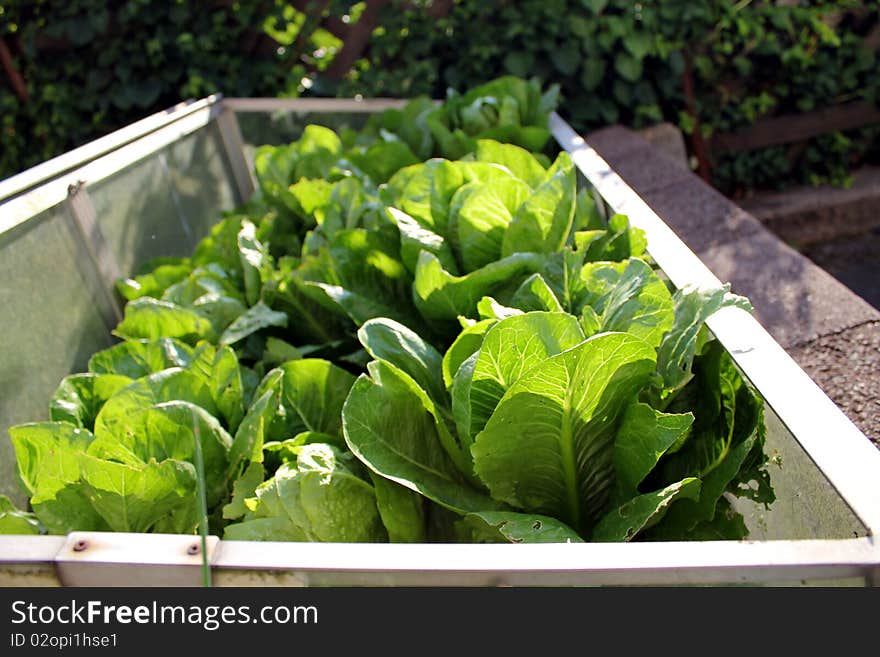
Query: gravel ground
847, 367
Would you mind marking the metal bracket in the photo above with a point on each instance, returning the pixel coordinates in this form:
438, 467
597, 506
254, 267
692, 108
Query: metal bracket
82, 210
233, 145
125, 559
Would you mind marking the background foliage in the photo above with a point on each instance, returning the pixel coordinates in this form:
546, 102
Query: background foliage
617, 61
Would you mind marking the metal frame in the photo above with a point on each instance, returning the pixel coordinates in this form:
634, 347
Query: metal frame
849, 461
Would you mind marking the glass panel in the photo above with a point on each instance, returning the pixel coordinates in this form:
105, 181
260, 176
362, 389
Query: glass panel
258, 129
51, 322
282, 127
202, 179
806, 506
136, 214
163, 205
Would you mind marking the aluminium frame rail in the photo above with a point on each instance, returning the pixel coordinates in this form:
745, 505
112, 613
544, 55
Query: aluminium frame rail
850, 462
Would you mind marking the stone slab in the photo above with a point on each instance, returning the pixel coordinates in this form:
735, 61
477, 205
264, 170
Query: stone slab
805, 216
701, 216
796, 301
642, 165
615, 141
668, 139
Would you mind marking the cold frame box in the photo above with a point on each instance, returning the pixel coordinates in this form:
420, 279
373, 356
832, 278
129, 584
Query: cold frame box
71, 226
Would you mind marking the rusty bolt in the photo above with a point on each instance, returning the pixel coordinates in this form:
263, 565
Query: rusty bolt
80, 545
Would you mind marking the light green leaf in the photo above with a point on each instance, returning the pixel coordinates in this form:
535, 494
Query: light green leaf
220, 310
138, 358
45, 455
425, 191
151, 319
693, 307
543, 222
511, 348
169, 431
548, 447
385, 339
255, 260
383, 159
626, 521
724, 448
312, 391
481, 214
489, 308
154, 283
167, 385
220, 371
340, 507
441, 296
283, 451
391, 425
316, 499
467, 343
645, 435
511, 527
243, 488
360, 275
629, 297
535, 294
254, 319
264, 529
135, 498
414, 239
79, 397
402, 510
248, 443
519, 161
618, 241
16, 522
313, 195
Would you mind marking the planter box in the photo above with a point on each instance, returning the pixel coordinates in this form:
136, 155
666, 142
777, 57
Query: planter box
71, 226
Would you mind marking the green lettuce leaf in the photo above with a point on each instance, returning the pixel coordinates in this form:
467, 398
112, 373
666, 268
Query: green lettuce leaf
548, 447
510, 348
151, 319
543, 222
138, 358
511, 527
628, 296
392, 426
16, 522
80, 397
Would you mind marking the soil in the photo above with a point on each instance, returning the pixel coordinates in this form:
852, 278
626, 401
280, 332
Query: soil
847, 365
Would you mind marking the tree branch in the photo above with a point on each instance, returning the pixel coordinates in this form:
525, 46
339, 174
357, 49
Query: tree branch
15, 79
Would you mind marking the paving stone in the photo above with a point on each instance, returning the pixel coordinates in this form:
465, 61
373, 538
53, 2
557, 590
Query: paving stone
614, 141
669, 139
701, 216
813, 215
796, 301
644, 167
846, 366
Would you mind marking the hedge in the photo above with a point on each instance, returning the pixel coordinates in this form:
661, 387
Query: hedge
90, 67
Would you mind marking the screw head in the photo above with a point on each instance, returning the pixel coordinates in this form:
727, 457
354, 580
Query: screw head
80, 545
193, 549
